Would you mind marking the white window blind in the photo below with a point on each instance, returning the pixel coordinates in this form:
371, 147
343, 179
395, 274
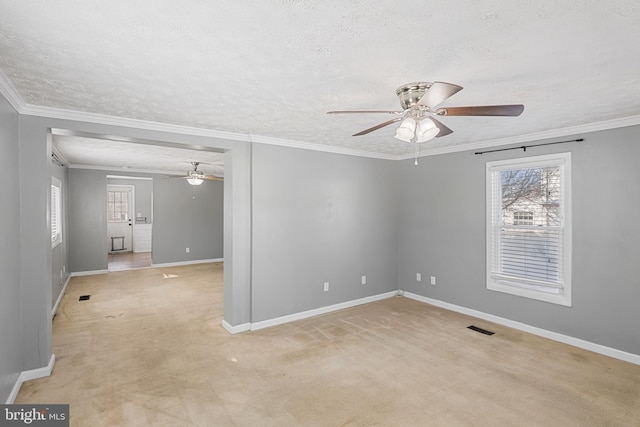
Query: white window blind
528, 253
56, 213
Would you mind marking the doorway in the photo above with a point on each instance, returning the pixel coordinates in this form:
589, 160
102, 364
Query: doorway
120, 218
129, 221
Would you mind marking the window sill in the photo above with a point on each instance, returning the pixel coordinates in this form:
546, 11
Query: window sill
562, 298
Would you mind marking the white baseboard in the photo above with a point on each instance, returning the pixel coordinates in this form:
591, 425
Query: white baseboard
88, 273
576, 342
243, 327
197, 261
64, 288
317, 311
32, 374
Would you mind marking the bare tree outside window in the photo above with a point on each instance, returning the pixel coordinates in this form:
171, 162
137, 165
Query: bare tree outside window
535, 191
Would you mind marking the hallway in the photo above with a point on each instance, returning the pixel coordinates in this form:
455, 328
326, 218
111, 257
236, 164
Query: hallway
129, 260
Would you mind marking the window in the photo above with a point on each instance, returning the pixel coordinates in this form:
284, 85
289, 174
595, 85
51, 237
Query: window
117, 206
56, 212
523, 218
529, 227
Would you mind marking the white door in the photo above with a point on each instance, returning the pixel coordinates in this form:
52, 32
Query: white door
120, 218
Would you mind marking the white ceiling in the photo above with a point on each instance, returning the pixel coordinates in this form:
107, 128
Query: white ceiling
274, 68
133, 156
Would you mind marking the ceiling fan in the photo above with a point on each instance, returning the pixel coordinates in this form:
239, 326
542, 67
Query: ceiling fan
195, 177
420, 103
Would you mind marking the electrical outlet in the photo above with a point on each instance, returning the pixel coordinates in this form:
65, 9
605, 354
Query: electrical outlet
187, 250
326, 286
364, 280
418, 277
433, 280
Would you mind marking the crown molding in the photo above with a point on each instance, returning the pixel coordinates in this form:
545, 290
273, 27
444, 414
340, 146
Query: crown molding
62, 114
536, 136
321, 147
103, 119
59, 154
140, 178
8, 90
124, 171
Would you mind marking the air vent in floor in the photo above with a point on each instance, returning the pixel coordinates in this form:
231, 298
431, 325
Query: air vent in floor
482, 331
84, 297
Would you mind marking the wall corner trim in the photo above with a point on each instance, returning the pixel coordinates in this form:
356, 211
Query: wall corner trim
88, 273
322, 310
576, 342
243, 327
64, 288
32, 374
178, 264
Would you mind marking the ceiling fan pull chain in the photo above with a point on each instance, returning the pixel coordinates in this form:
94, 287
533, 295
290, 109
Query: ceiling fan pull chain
417, 149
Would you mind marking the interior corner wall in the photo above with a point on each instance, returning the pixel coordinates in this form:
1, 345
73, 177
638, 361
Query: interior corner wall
442, 233
10, 326
319, 217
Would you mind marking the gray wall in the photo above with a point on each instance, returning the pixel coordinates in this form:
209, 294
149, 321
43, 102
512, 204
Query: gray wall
187, 216
10, 330
319, 217
35, 243
143, 195
87, 220
60, 254
442, 233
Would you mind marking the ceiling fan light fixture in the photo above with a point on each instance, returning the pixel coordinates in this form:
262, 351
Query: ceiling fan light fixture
195, 181
426, 130
406, 130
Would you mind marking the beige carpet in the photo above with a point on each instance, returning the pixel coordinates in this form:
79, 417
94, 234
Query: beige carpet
147, 349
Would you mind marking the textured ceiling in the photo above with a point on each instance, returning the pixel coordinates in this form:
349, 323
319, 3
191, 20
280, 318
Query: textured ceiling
134, 157
273, 68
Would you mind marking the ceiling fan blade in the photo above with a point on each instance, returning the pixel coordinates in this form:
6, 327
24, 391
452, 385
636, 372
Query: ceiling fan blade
444, 130
485, 110
212, 178
437, 93
376, 127
364, 111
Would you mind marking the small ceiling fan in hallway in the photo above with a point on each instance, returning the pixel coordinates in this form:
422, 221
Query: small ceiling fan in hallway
195, 177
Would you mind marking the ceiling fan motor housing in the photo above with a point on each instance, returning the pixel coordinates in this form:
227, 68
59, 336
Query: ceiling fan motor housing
409, 94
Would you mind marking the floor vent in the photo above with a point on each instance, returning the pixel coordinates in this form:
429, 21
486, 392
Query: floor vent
482, 331
84, 297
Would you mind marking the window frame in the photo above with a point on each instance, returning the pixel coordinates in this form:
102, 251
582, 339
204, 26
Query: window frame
56, 209
563, 160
